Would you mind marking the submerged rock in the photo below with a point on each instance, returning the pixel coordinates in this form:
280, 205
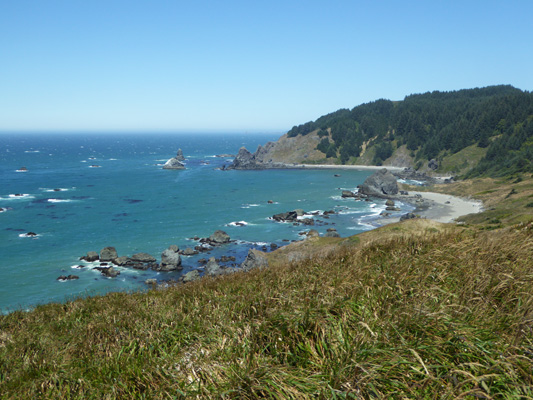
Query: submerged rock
64, 278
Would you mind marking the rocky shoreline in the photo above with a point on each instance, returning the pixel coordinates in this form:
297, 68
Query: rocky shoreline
382, 184
110, 264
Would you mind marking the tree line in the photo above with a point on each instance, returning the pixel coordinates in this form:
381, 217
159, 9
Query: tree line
499, 118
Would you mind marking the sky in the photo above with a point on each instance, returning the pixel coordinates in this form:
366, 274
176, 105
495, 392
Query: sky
244, 66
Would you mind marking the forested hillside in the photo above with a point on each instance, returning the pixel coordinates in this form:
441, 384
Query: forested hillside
435, 125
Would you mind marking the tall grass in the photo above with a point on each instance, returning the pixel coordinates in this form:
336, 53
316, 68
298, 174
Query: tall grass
439, 316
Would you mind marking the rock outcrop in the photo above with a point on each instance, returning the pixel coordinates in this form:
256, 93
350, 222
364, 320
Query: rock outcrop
108, 254
289, 216
219, 237
191, 276
63, 278
212, 268
332, 232
170, 259
245, 160
254, 259
144, 258
380, 184
180, 156
175, 162
91, 256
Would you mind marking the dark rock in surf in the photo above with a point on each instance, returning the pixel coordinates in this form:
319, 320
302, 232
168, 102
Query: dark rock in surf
188, 252
110, 272
64, 278
90, 256
347, 194
123, 261
290, 216
382, 183
175, 162
144, 258
170, 259
408, 216
108, 254
219, 237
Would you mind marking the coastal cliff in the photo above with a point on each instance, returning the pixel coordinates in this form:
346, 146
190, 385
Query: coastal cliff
461, 132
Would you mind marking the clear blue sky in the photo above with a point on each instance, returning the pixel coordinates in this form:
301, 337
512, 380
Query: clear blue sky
244, 65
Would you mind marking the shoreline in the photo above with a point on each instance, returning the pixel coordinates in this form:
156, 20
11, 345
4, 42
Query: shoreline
359, 167
443, 208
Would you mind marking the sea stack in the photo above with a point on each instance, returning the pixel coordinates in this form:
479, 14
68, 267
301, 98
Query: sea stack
380, 184
175, 162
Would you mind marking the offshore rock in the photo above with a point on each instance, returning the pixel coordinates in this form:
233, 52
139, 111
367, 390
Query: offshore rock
290, 216
380, 184
64, 278
108, 254
347, 194
110, 272
175, 162
170, 259
180, 156
143, 258
219, 237
91, 256
122, 261
188, 252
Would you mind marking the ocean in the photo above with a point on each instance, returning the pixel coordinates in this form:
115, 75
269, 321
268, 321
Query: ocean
84, 192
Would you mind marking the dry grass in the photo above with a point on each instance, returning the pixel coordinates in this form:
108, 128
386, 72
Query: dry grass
443, 314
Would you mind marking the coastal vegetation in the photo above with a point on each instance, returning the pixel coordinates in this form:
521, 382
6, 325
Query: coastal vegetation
435, 125
416, 309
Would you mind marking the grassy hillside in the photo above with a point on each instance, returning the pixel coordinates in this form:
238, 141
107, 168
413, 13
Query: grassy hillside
413, 310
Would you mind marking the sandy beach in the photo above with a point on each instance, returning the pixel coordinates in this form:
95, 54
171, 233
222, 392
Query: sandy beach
442, 207
447, 208
356, 167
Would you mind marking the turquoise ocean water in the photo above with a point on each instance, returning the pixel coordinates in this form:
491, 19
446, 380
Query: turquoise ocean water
130, 203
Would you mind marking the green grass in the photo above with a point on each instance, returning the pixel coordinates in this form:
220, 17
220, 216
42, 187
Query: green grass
445, 315
462, 161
